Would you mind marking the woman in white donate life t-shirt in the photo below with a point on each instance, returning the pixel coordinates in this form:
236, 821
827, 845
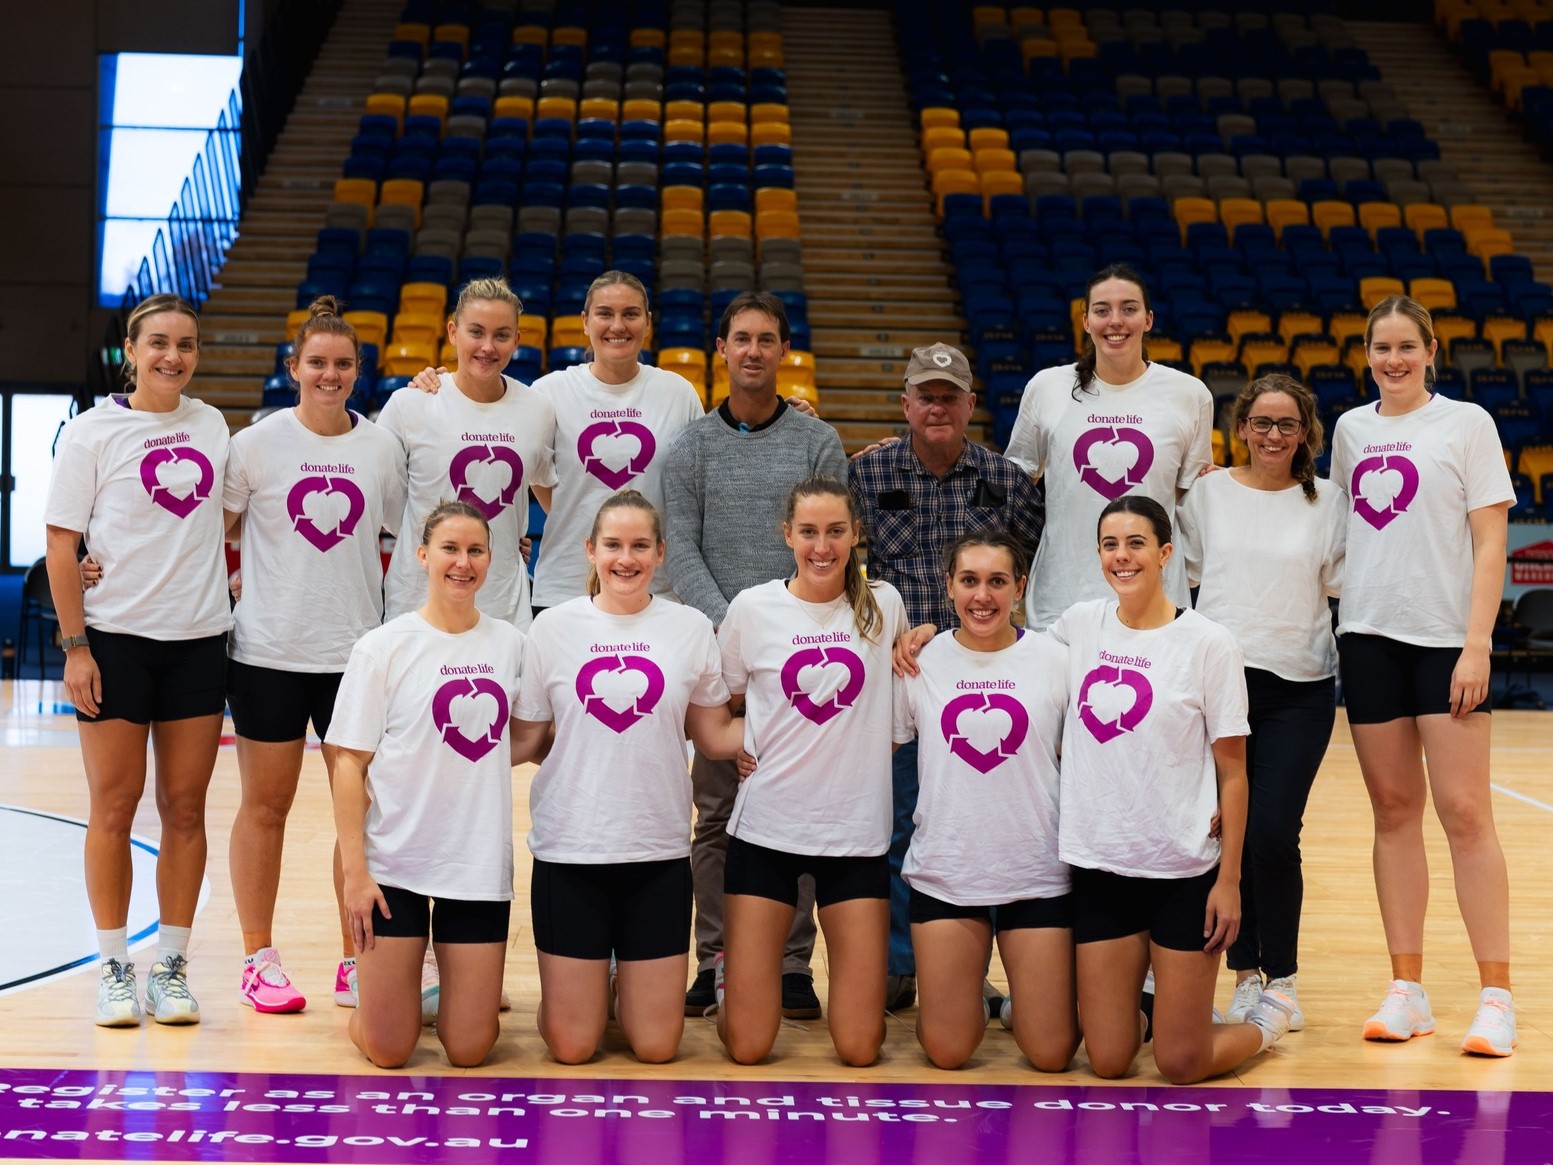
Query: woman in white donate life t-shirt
145, 651
1109, 425
1153, 746
987, 707
615, 420
624, 676
423, 802
811, 656
1429, 496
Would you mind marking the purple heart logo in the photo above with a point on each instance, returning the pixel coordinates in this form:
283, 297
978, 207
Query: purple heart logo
150, 477
843, 698
1101, 711
1382, 488
442, 716
984, 702
1102, 459
593, 461
471, 455
340, 487
621, 666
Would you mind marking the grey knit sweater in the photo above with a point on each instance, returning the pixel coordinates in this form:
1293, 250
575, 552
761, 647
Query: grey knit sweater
723, 494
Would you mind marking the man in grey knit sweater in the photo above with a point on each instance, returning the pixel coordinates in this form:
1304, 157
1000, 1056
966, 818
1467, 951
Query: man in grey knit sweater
724, 486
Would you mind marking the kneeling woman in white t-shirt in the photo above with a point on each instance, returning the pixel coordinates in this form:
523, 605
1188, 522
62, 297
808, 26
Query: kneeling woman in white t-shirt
987, 707
624, 676
423, 802
811, 655
1154, 745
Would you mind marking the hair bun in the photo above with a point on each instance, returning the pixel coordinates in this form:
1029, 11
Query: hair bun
324, 305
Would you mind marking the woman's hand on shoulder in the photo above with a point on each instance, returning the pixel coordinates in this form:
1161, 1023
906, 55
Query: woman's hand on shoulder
909, 646
428, 380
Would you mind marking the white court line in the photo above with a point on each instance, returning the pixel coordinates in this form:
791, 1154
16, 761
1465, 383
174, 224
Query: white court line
1521, 797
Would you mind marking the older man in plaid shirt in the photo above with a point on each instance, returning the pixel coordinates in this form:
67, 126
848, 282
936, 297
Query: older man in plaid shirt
916, 496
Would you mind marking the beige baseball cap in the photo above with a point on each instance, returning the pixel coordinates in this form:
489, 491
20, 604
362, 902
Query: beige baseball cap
939, 362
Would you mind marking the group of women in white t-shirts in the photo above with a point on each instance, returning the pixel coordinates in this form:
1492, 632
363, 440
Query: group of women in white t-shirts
1112, 791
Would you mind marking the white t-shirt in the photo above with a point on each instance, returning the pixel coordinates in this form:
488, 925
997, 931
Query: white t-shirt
988, 726
817, 719
433, 709
1267, 561
1410, 482
1139, 787
312, 507
607, 437
145, 489
485, 454
1151, 437
615, 787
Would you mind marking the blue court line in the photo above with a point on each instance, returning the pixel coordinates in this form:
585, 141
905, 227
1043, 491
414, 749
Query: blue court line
91, 958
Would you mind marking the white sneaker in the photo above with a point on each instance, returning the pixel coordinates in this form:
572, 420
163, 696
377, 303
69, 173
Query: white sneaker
1247, 992
1274, 1014
1006, 1012
167, 992
719, 978
1493, 1028
1403, 1014
118, 1004
1286, 986
431, 988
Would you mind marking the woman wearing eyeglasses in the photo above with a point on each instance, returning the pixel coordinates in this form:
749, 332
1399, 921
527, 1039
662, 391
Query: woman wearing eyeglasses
1264, 542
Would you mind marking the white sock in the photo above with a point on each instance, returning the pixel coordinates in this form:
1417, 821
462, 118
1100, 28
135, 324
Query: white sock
1496, 995
113, 944
348, 962
171, 940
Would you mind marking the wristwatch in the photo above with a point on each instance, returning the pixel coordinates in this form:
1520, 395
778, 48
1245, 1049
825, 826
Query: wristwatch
70, 641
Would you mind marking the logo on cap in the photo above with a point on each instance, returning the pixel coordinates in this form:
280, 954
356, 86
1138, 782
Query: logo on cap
942, 359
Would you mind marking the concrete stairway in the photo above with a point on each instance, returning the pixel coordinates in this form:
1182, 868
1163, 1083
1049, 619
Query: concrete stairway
245, 316
1487, 150
874, 264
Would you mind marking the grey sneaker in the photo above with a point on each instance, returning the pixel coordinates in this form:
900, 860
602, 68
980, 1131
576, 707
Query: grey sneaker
117, 1002
900, 992
167, 992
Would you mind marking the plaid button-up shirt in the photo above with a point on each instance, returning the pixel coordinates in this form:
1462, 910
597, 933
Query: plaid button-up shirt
911, 517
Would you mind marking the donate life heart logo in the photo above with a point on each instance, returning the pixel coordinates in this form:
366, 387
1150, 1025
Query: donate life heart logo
1382, 488
989, 709
608, 441
1106, 705
827, 693
187, 468
485, 464
609, 681
324, 497
476, 703
1112, 461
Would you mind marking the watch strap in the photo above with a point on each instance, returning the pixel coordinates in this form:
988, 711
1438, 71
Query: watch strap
70, 641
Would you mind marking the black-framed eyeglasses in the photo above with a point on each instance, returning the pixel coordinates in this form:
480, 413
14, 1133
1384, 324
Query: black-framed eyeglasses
1287, 426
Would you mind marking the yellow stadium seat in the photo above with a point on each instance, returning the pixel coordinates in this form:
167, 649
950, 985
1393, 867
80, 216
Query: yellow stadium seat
1207, 351
567, 332
1283, 212
1485, 243
417, 328
1498, 329
988, 14
648, 38
765, 58
448, 356
530, 34
682, 198
604, 108
641, 109
719, 56
682, 129
1190, 210
738, 224
938, 137
1434, 294
789, 378
940, 115
1308, 356
727, 133
954, 182
684, 111
949, 158
678, 358
677, 223
452, 33
563, 107
294, 320
569, 35
513, 106
1536, 462
371, 327
1377, 216
1000, 182
1220, 446
1374, 288
991, 159
776, 224
1330, 213
988, 137
386, 105
413, 30
1450, 328
403, 192
1162, 348
536, 332
1343, 325
1234, 212
1298, 323
726, 38
687, 56
428, 105
1470, 215
728, 111
424, 298
361, 191
1243, 321
1254, 353
1425, 216
771, 133
776, 198
404, 358
687, 37
1037, 46
768, 111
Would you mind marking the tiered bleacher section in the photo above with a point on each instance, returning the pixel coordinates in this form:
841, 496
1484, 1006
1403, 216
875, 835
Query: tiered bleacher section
548, 146
1252, 167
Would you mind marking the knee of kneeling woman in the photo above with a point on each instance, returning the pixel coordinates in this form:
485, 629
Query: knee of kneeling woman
1050, 1057
569, 1047
655, 1049
467, 1051
947, 1052
858, 1052
386, 1053
742, 1049
1111, 1064
1179, 1068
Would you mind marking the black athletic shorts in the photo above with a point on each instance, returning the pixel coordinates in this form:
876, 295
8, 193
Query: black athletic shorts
1025, 914
148, 681
638, 910
447, 920
1169, 910
1386, 679
769, 873
274, 706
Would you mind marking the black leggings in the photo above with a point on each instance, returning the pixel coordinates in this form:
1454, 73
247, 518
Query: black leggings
1291, 723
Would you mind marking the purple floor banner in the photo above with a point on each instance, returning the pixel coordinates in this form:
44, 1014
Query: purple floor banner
203, 1116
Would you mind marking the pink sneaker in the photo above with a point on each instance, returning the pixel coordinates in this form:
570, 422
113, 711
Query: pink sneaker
345, 984
265, 986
